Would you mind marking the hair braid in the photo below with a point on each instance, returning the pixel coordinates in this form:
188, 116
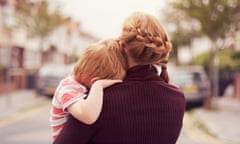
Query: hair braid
146, 41
164, 74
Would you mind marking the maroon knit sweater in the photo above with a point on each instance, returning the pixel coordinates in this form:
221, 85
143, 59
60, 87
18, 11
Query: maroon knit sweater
142, 110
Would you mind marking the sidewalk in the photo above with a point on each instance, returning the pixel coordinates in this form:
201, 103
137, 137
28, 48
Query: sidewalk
221, 124
18, 102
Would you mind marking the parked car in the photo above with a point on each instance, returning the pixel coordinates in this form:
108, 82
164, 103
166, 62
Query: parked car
49, 76
194, 83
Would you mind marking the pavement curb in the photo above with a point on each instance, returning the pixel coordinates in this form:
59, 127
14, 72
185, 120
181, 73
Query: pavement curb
20, 115
197, 131
22, 103
220, 123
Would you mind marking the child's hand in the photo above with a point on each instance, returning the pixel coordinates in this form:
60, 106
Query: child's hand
106, 82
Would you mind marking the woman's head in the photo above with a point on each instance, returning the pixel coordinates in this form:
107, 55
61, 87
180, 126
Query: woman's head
104, 60
145, 41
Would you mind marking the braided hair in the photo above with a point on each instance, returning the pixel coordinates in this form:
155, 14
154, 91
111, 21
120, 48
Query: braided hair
146, 41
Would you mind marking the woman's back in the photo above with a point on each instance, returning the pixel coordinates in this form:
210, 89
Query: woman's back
143, 109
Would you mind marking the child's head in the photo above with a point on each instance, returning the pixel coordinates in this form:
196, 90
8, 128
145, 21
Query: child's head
103, 60
145, 40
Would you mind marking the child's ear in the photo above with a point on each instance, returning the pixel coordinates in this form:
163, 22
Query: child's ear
93, 80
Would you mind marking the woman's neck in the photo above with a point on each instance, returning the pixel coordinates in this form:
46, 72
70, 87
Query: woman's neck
131, 63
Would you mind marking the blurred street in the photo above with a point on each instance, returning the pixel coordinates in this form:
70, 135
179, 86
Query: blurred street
24, 120
215, 126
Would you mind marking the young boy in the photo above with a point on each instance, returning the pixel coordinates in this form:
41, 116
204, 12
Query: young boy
100, 65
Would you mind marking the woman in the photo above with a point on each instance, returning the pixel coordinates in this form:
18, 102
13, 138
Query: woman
144, 108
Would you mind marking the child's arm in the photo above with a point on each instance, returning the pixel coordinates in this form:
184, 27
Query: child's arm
87, 111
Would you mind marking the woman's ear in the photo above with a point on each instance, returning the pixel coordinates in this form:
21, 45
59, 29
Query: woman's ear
93, 80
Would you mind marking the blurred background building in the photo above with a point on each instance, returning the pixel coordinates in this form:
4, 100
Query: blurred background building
31, 36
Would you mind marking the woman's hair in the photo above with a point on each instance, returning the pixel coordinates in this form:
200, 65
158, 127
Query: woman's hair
146, 41
104, 59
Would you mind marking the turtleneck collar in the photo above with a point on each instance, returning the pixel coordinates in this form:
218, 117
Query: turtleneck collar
141, 72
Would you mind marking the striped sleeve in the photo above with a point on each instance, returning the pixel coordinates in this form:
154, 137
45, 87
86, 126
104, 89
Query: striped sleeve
69, 93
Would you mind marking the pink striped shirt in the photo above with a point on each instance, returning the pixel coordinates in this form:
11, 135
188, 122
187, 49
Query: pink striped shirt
67, 92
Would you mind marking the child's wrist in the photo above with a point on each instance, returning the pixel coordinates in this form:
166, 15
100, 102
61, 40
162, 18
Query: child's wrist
97, 83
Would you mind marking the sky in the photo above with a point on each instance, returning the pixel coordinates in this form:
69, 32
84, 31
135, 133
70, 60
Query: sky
104, 18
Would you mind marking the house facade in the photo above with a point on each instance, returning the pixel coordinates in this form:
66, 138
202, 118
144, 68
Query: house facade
21, 57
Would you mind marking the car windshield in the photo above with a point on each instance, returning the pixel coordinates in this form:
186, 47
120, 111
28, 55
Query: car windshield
51, 70
180, 78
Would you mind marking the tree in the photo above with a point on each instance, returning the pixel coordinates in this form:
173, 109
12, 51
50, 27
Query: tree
228, 66
182, 29
218, 20
37, 20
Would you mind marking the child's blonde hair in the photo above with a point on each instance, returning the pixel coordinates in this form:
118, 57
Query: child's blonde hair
146, 41
104, 60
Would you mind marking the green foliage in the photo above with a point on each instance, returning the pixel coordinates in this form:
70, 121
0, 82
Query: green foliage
229, 60
183, 30
201, 59
236, 56
229, 65
36, 18
194, 18
1, 67
217, 18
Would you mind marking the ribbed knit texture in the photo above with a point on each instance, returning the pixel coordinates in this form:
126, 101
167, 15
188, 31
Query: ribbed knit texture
142, 110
